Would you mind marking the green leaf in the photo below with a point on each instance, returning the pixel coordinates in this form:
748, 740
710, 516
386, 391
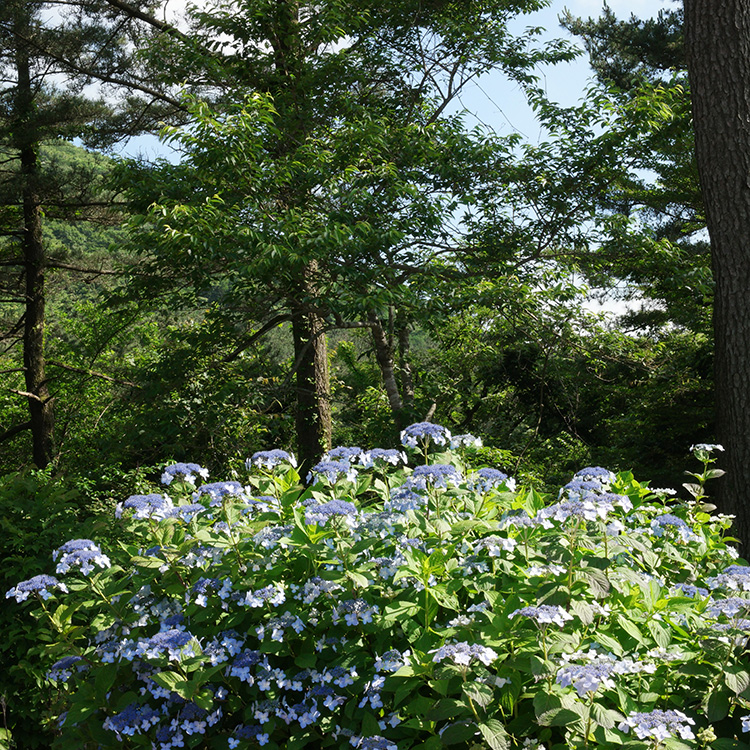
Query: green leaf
559, 717
630, 628
717, 706
479, 693
459, 732
494, 734
172, 681
605, 717
445, 708
737, 678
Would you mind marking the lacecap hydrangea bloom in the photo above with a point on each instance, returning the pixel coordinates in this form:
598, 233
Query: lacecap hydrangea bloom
424, 433
659, 725
332, 471
434, 475
80, 553
146, 506
42, 585
383, 456
270, 459
185, 472
544, 614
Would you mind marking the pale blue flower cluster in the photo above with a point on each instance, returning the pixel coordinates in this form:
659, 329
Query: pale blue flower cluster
382, 457
321, 514
465, 441
403, 499
464, 653
270, 459
423, 434
659, 725
487, 479
735, 578
669, 522
80, 553
354, 612
434, 475
352, 454
146, 506
544, 614
62, 669
41, 585
183, 471
218, 490
332, 471
272, 594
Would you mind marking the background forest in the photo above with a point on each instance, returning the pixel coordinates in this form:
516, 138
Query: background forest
334, 252
461, 297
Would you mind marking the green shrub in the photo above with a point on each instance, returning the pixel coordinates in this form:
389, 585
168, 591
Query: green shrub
393, 606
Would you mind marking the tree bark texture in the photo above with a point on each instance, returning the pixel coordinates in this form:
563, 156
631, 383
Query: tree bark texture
717, 37
384, 357
40, 402
313, 417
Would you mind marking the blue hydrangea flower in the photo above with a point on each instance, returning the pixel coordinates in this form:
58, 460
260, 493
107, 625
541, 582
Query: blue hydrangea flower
81, 553
278, 626
587, 509
41, 585
185, 513
183, 471
332, 471
735, 577
596, 474
134, 719
343, 453
382, 456
404, 498
465, 441
487, 479
661, 523
217, 490
62, 669
659, 725
146, 506
376, 742
424, 433
434, 475
544, 613
172, 643
730, 607
586, 678
272, 594
354, 611
321, 514
270, 459
463, 653
391, 661
688, 589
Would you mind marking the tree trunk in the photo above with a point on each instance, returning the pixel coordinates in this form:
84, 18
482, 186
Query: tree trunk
384, 357
407, 381
717, 37
313, 417
40, 403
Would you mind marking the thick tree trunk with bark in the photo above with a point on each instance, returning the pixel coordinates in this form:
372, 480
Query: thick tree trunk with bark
39, 399
717, 36
313, 417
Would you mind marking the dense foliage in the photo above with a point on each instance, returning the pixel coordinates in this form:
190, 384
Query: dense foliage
399, 602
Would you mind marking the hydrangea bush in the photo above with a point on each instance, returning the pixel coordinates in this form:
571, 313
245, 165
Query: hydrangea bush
385, 606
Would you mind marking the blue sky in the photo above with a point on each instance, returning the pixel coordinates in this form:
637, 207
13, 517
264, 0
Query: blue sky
499, 104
